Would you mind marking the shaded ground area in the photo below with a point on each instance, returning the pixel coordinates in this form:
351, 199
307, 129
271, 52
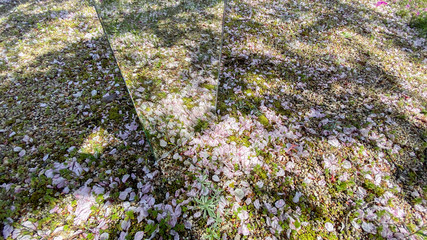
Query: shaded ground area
67, 122
323, 80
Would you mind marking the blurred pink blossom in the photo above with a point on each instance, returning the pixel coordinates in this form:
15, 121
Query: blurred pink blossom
379, 3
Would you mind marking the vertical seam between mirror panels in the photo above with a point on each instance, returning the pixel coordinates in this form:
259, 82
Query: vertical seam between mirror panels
220, 57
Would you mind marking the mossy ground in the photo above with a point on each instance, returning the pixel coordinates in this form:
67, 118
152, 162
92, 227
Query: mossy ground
321, 129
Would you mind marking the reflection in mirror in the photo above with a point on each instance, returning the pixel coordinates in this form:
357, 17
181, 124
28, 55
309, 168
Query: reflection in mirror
168, 52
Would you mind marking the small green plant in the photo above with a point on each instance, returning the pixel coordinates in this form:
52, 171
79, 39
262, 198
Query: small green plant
201, 125
203, 179
346, 34
212, 233
420, 22
207, 205
421, 232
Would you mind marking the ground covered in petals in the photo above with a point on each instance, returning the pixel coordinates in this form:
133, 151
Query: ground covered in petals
320, 129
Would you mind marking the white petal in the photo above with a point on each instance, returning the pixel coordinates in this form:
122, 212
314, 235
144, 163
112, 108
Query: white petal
296, 197
7, 230
17, 149
197, 214
329, 227
104, 236
245, 230
123, 235
98, 190
280, 173
239, 193
29, 225
280, 203
125, 178
215, 178
139, 235
188, 225
334, 142
346, 164
22, 153
125, 225
243, 215
368, 227
256, 204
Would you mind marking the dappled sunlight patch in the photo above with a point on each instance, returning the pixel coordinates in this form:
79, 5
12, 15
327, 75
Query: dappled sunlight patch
24, 46
395, 61
3, 20
315, 136
65, 93
97, 141
332, 100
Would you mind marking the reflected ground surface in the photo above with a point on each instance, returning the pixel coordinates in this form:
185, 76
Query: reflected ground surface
168, 52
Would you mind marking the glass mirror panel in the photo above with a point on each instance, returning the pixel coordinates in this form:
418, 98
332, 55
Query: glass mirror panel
168, 52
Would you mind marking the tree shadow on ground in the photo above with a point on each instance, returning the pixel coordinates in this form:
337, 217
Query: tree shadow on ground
164, 22
321, 90
7, 7
351, 96
365, 75
67, 106
62, 123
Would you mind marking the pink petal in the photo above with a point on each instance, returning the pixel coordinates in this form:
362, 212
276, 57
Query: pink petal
381, 3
